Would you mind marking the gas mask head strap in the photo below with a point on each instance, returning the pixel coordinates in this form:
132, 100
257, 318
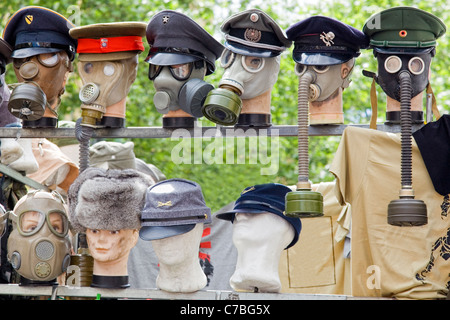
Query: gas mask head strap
373, 99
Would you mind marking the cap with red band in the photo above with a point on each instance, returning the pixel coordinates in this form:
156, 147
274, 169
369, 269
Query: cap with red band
114, 44
109, 41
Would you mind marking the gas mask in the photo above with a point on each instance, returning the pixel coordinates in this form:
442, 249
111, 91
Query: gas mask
39, 245
245, 77
42, 81
328, 79
390, 65
180, 87
105, 83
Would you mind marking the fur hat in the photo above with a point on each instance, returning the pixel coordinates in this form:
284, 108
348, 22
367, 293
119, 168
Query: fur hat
107, 199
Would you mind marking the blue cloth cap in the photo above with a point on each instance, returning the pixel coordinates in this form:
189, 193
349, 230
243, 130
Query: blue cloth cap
263, 198
325, 41
34, 30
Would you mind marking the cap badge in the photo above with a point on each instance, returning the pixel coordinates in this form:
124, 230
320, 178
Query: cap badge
165, 19
327, 38
254, 17
403, 33
248, 190
29, 19
252, 35
163, 204
104, 42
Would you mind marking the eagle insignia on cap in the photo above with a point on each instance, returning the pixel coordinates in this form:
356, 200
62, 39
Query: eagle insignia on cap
165, 19
29, 19
252, 35
327, 38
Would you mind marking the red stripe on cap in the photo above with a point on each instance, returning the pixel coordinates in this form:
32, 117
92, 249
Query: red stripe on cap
107, 45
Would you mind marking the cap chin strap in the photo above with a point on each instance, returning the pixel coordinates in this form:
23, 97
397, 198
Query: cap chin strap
434, 107
374, 104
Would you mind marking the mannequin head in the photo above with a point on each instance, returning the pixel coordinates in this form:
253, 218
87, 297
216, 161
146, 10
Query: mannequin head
261, 232
106, 205
110, 249
108, 62
172, 219
43, 52
325, 51
403, 40
179, 265
251, 62
260, 239
181, 54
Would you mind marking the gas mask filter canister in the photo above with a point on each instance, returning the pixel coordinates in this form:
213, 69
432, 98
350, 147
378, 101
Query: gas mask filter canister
245, 77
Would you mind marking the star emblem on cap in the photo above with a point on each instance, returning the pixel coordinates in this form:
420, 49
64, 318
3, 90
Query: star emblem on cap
165, 19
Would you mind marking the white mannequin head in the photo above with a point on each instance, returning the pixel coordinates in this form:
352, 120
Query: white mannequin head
180, 269
260, 239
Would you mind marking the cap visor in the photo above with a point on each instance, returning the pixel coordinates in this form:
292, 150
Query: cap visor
250, 51
320, 59
230, 214
401, 50
168, 59
29, 52
149, 233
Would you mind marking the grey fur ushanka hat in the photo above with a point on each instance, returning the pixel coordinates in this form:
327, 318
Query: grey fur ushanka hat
107, 199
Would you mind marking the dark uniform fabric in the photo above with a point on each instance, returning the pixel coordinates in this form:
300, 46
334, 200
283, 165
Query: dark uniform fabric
433, 141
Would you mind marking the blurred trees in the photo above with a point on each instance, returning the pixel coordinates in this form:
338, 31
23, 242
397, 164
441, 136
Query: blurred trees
222, 183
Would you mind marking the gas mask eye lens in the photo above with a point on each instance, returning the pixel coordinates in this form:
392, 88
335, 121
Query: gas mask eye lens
48, 59
321, 69
30, 222
88, 67
108, 69
58, 223
227, 58
17, 62
416, 65
181, 71
393, 64
252, 64
153, 71
300, 69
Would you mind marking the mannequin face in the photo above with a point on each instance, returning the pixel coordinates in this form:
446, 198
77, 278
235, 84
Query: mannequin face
177, 249
261, 230
108, 245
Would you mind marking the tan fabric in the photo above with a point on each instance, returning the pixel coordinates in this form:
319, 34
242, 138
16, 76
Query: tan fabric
388, 260
51, 162
316, 263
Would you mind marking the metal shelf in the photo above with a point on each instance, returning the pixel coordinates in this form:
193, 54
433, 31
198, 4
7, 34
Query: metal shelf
57, 292
196, 132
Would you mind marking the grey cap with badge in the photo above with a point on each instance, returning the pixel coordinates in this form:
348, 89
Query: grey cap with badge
255, 33
172, 207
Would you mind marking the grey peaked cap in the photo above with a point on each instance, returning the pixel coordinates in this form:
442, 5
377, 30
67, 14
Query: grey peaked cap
174, 202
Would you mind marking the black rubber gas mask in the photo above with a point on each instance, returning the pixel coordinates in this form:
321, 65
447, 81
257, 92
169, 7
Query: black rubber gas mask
390, 65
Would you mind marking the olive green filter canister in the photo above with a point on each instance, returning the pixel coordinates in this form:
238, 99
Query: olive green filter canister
304, 203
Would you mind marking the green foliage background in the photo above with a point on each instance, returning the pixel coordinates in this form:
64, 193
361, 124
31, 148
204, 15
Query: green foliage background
222, 183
